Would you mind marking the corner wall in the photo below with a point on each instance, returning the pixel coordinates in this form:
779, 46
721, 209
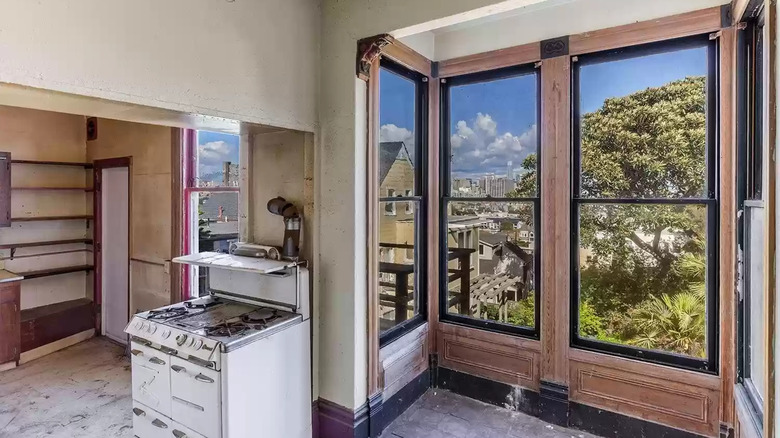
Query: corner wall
150, 189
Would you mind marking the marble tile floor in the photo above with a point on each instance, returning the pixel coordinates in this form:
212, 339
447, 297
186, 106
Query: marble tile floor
443, 414
81, 391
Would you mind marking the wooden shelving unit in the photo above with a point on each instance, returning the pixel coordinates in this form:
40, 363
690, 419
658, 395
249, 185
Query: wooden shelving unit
29, 275
45, 324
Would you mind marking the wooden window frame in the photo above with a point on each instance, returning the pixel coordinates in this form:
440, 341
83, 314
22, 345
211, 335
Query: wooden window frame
446, 198
709, 200
189, 174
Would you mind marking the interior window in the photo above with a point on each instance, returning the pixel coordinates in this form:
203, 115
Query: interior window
491, 199
402, 95
645, 205
212, 194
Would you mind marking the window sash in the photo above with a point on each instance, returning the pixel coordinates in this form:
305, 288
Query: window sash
447, 197
710, 199
416, 199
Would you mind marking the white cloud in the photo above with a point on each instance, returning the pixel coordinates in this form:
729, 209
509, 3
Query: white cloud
479, 149
211, 155
391, 132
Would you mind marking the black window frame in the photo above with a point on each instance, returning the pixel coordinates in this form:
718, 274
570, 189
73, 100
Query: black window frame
711, 201
750, 123
420, 198
445, 198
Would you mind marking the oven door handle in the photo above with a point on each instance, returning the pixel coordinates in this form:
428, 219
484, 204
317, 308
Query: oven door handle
178, 368
157, 361
204, 378
139, 412
179, 434
136, 352
188, 403
160, 424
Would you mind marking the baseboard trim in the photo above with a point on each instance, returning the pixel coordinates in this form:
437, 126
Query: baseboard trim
370, 419
552, 404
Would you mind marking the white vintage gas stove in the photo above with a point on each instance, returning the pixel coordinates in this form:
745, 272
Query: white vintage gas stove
234, 364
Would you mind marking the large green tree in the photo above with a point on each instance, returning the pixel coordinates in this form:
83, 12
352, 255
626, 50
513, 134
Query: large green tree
650, 144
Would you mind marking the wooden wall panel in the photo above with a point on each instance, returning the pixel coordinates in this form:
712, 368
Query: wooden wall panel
518, 55
677, 398
676, 26
555, 250
503, 358
403, 360
728, 214
433, 210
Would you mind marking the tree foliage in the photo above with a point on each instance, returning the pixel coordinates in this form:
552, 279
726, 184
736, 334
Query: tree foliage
642, 270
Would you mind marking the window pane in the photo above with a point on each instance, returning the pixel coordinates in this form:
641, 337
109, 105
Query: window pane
398, 289
217, 214
643, 276
397, 100
493, 138
217, 160
643, 126
754, 220
490, 247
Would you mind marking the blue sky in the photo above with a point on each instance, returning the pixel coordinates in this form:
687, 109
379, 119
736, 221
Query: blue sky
493, 123
214, 148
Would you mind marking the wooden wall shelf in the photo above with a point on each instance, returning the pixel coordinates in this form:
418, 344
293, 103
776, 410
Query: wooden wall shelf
50, 218
53, 163
44, 243
55, 271
85, 189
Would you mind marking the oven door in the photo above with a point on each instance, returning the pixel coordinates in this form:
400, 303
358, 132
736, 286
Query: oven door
147, 423
195, 397
151, 377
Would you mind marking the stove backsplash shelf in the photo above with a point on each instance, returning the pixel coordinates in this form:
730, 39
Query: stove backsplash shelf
254, 280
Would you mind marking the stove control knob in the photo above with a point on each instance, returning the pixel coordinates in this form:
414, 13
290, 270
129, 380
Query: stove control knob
152, 328
198, 344
138, 324
181, 339
191, 342
166, 334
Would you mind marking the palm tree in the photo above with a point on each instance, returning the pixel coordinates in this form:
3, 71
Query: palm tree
676, 322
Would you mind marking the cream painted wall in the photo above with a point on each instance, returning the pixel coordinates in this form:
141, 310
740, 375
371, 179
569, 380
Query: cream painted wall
254, 61
149, 147
340, 201
551, 19
41, 135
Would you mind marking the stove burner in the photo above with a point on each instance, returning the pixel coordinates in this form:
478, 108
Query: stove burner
206, 305
167, 313
227, 329
260, 316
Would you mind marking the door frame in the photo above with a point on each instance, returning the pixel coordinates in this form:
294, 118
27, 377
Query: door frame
97, 291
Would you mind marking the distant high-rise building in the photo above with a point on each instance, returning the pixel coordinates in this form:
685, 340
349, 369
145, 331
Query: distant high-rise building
494, 186
510, 173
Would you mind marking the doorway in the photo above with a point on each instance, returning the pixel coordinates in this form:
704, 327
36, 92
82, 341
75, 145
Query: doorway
112, 246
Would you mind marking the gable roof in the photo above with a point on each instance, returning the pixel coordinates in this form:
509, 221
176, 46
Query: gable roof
492, 239
389, 152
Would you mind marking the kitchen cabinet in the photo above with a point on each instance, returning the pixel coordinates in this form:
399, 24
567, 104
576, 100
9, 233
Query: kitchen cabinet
9, 322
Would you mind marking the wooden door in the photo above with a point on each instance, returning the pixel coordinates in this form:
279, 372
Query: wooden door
9, 322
